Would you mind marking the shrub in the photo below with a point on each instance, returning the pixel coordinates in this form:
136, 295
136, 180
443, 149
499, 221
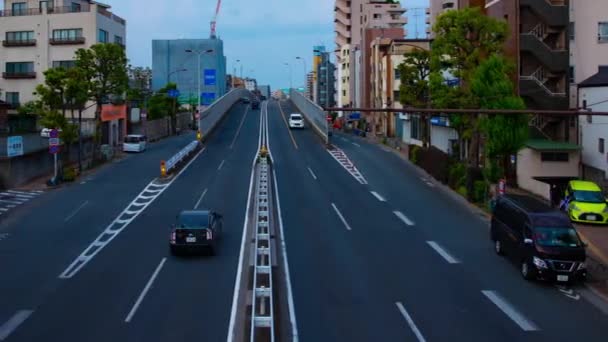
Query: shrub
414, 154
457, 175
462, 190
480, 191
69, 175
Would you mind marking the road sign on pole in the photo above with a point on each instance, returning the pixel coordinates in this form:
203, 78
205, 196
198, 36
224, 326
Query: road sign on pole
54, 133
14, 146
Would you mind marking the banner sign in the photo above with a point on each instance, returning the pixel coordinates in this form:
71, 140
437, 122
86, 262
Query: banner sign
210, 76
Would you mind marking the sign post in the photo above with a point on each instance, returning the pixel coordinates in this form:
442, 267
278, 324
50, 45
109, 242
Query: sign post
54, 148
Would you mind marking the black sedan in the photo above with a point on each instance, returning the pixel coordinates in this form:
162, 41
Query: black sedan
195, 231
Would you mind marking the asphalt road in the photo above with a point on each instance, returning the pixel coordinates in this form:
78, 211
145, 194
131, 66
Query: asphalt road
187, 298
402, 260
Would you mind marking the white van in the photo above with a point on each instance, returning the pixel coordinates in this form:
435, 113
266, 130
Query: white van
134, 143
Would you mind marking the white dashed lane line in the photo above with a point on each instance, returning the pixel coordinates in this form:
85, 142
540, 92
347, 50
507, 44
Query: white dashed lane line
403, 218
13, 323
410, 322
312, 173
444, 254
221, 165
510, 311
341, 217
377, 195
145, 291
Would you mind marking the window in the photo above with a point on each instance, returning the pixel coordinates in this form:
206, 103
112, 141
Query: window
19, 67
554, 157
377, 16
602, 34
19, 8
397, 74
12, 98
571, 30
600, 146
67, 34
103, 36
396, 95
19, 36
343, 92
415, 128
64, 64
75, 7
571, 74
118, 40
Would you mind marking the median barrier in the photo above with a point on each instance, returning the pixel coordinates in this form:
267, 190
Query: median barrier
314, 114
179, 159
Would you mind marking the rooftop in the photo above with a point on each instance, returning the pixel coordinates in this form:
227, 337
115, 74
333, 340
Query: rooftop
549, 145
598, 80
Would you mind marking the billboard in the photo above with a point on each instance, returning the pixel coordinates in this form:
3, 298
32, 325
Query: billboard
209, 76
207, 98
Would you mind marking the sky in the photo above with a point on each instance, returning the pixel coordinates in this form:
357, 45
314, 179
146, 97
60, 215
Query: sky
263, 34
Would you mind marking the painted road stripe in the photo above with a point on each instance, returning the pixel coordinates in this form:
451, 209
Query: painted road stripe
341, 217
3, 209
449, 258
145, 291
28, 197
200, 199
312, 173
410, 322
377, 195
15, 201
12, 324
23, 193
221, 164
403, 218
356, 144
76, 211
510, 311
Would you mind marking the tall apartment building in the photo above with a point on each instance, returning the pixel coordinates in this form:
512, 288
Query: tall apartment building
173, 62
438, 7
38, 35
309, 85
325, 81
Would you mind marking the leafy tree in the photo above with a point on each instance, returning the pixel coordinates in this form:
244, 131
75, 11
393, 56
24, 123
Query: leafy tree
414, 89
161, 105
506, 134
30, 108
52, 91
104, 67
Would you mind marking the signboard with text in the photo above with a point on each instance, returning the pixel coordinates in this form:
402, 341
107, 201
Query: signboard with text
209, 76
207, 98
14, 146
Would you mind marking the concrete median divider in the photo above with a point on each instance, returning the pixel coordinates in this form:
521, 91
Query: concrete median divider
314, 114
213, 115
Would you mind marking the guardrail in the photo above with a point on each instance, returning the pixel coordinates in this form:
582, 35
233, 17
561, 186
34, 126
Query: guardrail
171, 164
213, 114
312, 112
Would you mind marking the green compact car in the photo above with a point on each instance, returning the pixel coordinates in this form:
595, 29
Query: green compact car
586, 202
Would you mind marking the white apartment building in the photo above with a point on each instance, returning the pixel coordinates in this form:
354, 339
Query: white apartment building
38, 35
438, 7
251, 84
343, 80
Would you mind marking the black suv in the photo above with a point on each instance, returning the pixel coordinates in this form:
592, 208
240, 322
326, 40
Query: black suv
539, 238
196, 230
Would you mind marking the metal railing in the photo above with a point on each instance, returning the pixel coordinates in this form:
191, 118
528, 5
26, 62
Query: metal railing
19, 42
67, 40
174, 161
539, 76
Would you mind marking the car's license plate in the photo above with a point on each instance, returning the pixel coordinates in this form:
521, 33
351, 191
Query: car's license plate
591, 217
562, 278
191, 239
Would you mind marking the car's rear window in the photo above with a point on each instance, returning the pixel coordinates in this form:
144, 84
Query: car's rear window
193, 220
132, 140
296, 117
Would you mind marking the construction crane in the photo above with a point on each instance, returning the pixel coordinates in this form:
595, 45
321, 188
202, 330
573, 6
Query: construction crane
214, 21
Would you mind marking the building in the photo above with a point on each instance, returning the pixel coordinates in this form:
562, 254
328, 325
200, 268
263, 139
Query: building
38, 35
343, 80
437, 8
172, 62
264, 90
309, 85
251, 84
324, 86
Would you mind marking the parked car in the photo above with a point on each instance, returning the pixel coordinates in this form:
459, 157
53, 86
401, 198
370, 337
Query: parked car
245, 100
135, 143
540, 239
195, 231
296, 120
586, 203
46, 132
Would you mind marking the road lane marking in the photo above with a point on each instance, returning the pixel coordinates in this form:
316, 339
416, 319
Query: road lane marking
3, 209
13, 323
18, 195
200, 199
347, 164
120, 223
14, 201
444, 254
238, 131
356, 144
341, 217
145, 291
312, 173
410, 322
403, 218
76, 211
377, 195
293, 140
510, 311
24, 193
221, 164
343, 138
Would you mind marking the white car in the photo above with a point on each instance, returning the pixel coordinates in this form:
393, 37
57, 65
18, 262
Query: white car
46, 132
135, 143
296, 121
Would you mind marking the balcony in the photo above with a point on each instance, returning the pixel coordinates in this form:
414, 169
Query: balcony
342, 18
342, 30
20, 42
20, 13
50, 10
342, 7
18, 75
67, 41
553, 12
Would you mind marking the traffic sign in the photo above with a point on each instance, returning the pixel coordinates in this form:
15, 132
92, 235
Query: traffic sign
53, 141
54, 149
173, 93
54, 133
14, 146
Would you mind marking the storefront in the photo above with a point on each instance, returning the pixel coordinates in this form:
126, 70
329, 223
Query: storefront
114, 124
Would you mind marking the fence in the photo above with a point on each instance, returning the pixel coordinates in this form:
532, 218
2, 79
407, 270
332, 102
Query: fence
312, 112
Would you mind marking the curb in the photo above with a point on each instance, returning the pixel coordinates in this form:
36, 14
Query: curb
598, 253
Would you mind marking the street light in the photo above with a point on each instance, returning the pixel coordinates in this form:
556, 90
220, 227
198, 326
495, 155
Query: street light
305, 69
174, 72
290, 81
198, 77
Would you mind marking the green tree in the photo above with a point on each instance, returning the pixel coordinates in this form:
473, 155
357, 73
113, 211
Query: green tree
161, 105
30, 108
414, 88
77, 94
52, 92
493, 87
104, 67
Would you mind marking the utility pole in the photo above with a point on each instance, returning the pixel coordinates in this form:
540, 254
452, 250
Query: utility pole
198, 77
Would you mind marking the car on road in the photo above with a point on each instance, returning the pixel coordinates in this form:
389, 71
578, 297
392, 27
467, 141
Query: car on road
296, 120
135, 143
586, 202
540, 239
196, 231
255, 104
245, 100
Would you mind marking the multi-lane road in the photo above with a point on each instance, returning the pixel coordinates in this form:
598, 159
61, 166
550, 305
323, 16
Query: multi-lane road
376, 251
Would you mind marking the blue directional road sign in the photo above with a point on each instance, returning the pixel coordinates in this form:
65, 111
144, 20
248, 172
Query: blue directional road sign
54, 133
355, 116
174, 93
210, 76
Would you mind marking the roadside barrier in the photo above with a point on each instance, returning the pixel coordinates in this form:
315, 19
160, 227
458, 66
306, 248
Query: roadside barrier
166, 167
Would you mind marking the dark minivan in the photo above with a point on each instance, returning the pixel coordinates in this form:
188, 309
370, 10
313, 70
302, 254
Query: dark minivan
196, 230
539, 238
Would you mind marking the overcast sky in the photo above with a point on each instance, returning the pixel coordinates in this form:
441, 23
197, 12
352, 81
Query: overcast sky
263, 34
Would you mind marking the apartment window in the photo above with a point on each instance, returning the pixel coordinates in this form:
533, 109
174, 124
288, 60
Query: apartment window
602, 35
75, 7
600, 146
343, 92
554, 157
103, 36
19, 36
19, 8
397, 74
377, 16
571, 30
67, 34
571, 74
19, 67
396, 95
118, 40
64, 64
12, 98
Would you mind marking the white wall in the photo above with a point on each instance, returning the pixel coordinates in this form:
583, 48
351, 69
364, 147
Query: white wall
529, 165
590, 133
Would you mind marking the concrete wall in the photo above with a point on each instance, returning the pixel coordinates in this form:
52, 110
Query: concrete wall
312, 112
595, 129
529, 165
